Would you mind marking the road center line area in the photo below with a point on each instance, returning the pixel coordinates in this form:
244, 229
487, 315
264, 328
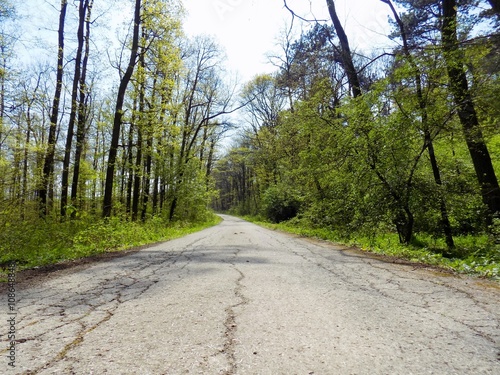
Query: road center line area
240, 299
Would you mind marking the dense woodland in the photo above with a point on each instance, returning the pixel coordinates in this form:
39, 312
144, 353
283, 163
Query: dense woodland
70, 146
406, 142
105, 131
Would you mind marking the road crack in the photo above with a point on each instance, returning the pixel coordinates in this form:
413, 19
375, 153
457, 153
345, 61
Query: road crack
100, 299
230, 323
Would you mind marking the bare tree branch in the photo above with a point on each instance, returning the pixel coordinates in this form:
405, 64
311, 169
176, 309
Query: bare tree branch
300, 17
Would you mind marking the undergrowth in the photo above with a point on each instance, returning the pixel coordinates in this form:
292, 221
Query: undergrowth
40, 243
476, 255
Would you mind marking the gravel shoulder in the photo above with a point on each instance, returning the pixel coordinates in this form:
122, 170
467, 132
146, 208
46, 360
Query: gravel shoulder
240, 299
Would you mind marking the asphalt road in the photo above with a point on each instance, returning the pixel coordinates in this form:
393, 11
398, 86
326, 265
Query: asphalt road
241, 299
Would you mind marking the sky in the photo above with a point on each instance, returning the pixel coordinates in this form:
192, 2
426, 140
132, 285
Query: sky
249, 29
246, 29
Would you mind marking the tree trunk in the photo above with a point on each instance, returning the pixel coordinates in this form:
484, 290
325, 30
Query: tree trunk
478, 150
122, 172
48, 165
24, 189
158, 185
147, 176
74, 106
210, 160
142, 118
117, 123
404, 225
137, 176
495, 5
82, 109
130, 161
29, 130
445, 220
163, 192
173, 206
3, 70
95, 166
352, 74
156, 192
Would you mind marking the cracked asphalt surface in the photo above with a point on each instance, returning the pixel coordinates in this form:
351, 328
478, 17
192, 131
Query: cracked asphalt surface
241, 299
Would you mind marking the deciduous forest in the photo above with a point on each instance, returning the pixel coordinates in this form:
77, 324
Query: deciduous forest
379, 150
93, 160
112, 144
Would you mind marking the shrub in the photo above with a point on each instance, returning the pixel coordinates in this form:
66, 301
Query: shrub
280, 204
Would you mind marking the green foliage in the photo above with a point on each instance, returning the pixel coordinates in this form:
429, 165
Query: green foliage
194, 195
392, 164
38, 243
280, 204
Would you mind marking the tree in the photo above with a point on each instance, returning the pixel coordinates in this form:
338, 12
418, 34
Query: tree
429, 144
7, 41
7, 11
404, 218
459, 88
82, 107
264, 102
203, 99
48, 166
345, 52
84, 6
117, 123
139, 121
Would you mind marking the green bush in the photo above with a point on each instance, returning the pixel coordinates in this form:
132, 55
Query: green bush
42, 242
280, 204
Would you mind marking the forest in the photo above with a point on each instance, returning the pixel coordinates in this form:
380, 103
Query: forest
398, 150
106, 146
109, 145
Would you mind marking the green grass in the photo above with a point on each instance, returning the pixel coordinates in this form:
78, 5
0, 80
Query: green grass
35, 244
476, 255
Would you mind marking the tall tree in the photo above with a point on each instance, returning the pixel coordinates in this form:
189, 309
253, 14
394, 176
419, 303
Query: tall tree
346, 55
404, 218
473, 134
48, 165
82, 107
204, 99
6, 12
118, 117
422, 103
82, 9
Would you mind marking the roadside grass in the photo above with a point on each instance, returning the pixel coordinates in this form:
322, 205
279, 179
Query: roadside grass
475, 255
40, 243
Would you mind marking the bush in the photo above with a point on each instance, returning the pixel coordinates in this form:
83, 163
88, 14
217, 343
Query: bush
43, 242
280, 204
